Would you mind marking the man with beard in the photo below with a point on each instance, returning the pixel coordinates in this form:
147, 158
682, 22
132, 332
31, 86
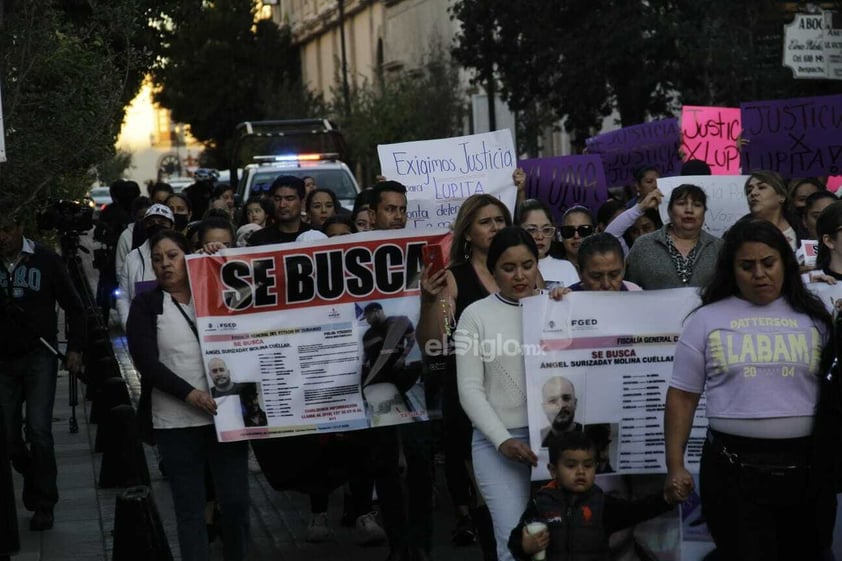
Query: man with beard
558, 398
221, 378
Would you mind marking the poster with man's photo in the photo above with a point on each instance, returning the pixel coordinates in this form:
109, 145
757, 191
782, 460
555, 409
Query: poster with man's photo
601, 362
313, 337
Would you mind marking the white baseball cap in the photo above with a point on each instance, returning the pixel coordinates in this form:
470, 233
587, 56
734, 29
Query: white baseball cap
160, 210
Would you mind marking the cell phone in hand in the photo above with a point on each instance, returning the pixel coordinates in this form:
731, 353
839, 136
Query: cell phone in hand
433, 257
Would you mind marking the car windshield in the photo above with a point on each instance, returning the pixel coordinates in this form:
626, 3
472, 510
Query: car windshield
334, 179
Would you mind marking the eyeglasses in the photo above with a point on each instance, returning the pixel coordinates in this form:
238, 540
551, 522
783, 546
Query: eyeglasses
546, 231
584, 231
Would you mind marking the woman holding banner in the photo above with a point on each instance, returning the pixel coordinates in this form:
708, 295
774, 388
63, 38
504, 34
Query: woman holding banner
680, 253
755, 347
444, 296
492, 382
176, 401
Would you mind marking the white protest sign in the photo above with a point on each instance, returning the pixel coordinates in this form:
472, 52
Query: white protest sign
807, 253
726, 199
440, 174
829, 294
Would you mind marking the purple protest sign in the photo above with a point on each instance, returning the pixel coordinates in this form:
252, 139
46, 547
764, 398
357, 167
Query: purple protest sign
566, 181
799, 137
625, 150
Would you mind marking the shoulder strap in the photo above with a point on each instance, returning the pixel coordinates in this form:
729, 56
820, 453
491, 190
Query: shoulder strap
186, 318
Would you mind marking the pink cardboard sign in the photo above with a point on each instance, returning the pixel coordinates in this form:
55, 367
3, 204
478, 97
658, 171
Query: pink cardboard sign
710, 134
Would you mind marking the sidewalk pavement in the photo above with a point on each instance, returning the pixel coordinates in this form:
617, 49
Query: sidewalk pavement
84, 515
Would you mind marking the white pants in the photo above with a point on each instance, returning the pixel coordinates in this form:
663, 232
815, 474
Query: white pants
504, 485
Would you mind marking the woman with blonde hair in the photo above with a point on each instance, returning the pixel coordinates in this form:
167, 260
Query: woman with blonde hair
768, 200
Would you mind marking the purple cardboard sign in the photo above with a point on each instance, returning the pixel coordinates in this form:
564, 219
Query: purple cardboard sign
565, 181
799, 137
625, 150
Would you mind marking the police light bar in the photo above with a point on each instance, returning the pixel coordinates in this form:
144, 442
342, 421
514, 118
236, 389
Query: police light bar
293, 158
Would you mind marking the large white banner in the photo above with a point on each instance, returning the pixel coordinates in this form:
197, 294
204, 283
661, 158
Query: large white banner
727, 201
440, 174
313, 337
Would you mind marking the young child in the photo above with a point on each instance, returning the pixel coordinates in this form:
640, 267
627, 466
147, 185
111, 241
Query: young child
579, 517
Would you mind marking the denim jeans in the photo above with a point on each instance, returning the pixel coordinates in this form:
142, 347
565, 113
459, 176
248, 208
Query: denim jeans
184, 453
504, 484
31, 379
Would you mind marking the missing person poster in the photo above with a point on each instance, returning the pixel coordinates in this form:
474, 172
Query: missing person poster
312, 337
593, 365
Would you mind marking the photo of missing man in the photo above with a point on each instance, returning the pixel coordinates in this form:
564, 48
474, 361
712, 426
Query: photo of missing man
558, 400
391, 367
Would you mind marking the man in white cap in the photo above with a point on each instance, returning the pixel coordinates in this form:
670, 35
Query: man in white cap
137, 274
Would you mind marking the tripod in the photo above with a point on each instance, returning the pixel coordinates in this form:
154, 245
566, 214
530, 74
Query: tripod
97, 329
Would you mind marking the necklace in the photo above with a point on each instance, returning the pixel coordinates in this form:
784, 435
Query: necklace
683, 265
449, 321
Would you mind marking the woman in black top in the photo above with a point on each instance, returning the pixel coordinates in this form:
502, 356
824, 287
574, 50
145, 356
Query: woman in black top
444, 295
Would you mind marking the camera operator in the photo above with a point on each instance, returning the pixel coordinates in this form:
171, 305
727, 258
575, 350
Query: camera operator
33, 280
112, 221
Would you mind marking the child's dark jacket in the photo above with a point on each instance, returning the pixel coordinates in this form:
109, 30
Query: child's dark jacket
580, 523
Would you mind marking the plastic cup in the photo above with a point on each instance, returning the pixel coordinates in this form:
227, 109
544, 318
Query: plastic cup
537, 528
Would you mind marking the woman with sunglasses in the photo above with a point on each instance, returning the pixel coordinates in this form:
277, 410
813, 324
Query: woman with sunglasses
680, 253
576, 225
536, 218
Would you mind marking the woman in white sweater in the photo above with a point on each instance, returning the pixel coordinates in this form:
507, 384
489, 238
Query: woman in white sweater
491, 380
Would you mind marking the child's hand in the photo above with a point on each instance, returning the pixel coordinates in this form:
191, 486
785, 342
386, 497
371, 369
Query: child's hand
533, 543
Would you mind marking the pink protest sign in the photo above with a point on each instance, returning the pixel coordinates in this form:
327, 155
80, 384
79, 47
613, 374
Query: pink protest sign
710, 134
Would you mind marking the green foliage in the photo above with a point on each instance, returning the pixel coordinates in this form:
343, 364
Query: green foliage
68, 69
219, 67
417, 104
582, 58
110, 170
732, 52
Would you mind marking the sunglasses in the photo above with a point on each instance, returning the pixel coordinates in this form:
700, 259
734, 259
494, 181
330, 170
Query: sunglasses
584, 231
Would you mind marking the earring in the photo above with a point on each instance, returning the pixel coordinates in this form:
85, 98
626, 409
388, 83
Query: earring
467, 251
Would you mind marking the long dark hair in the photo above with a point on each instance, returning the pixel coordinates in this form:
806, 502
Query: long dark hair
724, 283
830, 220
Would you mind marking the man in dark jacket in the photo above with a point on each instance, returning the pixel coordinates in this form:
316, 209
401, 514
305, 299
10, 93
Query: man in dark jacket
33, 280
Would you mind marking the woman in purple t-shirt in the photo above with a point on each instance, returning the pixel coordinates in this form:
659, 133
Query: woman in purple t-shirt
755, 348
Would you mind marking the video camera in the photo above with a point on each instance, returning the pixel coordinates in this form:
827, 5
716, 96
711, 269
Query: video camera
65, 217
